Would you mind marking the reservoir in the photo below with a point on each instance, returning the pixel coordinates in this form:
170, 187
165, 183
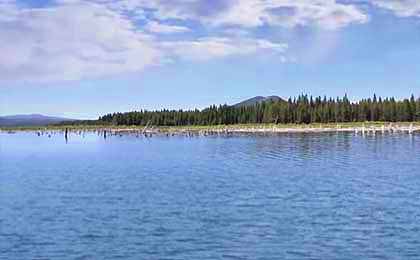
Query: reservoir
287, 196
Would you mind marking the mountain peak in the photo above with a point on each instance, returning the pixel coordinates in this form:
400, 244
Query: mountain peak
258, 99
30, 120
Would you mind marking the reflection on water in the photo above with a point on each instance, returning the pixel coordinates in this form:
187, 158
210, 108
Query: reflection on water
291, 196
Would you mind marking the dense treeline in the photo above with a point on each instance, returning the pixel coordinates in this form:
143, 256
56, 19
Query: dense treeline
300, 110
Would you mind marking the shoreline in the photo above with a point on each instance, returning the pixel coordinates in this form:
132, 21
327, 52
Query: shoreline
357, 128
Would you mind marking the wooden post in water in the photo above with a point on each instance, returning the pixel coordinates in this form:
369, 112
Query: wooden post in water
66, 134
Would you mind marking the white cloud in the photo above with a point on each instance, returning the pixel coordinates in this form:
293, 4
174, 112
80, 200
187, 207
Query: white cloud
76, 39
209, 48
327, 14
8, 10
156, 27
403, 8
70, 42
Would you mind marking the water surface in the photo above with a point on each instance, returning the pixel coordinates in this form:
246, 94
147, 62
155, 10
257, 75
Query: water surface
302, 196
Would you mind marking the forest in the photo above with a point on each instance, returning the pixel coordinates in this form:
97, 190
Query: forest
303, 109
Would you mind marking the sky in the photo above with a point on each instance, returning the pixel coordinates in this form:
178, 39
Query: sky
85, 58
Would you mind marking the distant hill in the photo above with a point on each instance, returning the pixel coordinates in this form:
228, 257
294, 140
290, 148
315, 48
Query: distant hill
30, 120
258, 99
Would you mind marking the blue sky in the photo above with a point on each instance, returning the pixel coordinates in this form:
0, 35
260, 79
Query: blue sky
85, 58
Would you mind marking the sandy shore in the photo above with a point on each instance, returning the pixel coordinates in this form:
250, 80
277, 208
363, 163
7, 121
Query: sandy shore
263, 130
233, 129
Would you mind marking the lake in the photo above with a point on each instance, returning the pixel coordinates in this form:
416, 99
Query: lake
288, 196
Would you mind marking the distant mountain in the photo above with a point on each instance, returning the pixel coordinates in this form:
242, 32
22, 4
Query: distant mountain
31, 120
258, 99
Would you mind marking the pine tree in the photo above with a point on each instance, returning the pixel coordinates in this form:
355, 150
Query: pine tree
418, 109
302, 110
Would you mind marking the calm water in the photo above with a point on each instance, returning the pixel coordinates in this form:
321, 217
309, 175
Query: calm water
328, 196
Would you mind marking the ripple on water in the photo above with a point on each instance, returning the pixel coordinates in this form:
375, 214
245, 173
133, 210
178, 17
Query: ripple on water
287, 196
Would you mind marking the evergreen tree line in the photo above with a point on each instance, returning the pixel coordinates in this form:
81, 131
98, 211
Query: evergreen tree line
299, 110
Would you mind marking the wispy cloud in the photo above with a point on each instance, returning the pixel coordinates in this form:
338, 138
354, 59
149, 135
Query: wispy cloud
403, 8
70, 42
74, 40
327, 14
77, 39
209, 48
156, 27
